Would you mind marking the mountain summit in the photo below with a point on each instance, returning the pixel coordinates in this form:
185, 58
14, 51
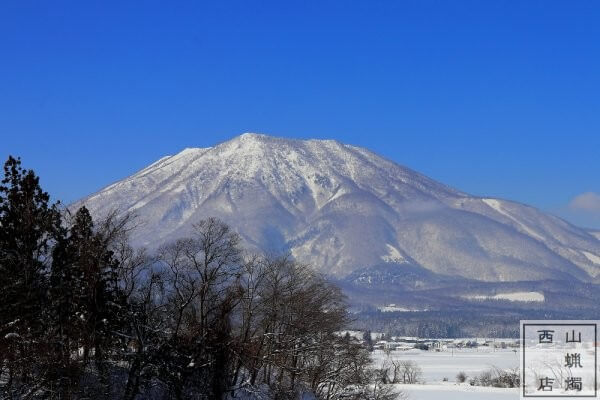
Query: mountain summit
343, 208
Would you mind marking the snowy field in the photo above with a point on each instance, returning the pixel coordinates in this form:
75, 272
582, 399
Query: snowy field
447, 364
456, 392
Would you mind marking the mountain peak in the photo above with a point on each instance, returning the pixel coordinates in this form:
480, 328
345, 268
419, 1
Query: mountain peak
265, 138
253, 136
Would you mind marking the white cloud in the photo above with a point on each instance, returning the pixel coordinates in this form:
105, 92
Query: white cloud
588, 201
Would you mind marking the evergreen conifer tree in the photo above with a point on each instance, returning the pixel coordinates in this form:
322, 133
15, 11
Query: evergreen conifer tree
28, 227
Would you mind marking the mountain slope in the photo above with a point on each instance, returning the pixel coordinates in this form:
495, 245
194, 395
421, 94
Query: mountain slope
343, 208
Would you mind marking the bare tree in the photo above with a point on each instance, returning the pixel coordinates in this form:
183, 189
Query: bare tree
409, 372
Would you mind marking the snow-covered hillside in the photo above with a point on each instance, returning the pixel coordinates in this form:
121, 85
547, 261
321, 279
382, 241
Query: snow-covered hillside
343, 208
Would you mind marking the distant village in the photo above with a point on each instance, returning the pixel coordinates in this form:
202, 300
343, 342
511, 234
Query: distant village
379, 341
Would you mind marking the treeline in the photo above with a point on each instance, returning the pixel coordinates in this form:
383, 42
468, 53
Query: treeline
85, 315
442, 324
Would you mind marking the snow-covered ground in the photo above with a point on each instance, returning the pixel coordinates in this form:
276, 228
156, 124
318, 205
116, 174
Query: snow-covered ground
447, 364
395, 308
513, 296
453, 391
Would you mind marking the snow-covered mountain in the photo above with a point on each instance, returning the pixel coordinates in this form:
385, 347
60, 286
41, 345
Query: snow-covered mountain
343, 208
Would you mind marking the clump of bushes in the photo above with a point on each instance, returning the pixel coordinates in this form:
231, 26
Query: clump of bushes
461, 377
497, 377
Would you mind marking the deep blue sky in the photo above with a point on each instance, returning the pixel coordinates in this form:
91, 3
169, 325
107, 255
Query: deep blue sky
492, 97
